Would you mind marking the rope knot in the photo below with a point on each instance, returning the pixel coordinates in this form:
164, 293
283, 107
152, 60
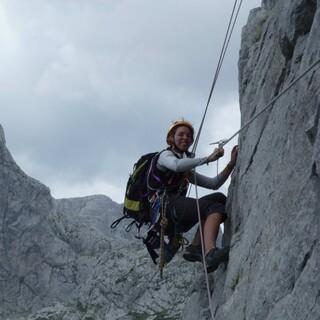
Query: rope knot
164, 222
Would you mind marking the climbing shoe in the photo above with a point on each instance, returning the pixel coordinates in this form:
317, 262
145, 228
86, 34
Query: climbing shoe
169, 252
193, 253
216, 256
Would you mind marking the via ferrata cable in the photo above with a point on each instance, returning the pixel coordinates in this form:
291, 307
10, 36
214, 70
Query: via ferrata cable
271, 103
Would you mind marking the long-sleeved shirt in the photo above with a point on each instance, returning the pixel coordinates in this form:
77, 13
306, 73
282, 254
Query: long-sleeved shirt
178, 162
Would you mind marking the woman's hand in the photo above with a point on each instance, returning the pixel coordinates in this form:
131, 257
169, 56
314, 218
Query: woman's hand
234, 156
216, 154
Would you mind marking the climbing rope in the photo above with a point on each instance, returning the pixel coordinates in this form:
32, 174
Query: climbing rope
202, 247
232, 21
271, 103
230, 28
163, 225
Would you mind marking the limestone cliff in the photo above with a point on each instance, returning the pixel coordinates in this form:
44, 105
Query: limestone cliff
44, 254
274, 198
59, 259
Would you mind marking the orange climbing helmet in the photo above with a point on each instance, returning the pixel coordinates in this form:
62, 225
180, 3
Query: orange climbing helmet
175, 125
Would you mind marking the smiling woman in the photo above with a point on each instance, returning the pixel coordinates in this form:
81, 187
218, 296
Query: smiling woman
176, 166
181, 135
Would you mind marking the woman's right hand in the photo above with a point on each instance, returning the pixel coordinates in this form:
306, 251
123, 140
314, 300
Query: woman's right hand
216, 154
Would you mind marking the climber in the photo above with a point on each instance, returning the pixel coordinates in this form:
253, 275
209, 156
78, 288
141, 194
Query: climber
182, 209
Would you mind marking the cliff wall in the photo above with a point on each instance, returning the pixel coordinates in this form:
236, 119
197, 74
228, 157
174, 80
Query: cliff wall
273, 272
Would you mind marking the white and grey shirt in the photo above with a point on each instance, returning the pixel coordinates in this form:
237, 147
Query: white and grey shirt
180, 162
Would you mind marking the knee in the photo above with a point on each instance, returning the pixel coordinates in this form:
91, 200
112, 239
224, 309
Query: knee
218, 215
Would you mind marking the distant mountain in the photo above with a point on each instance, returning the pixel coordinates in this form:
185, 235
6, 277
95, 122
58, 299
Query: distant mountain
60, 260
97, 211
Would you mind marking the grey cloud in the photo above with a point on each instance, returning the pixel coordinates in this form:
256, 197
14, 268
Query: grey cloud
90, 85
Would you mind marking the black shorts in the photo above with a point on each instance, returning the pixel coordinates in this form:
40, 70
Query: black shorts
184, 213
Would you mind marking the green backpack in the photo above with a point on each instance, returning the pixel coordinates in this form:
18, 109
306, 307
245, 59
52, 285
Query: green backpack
142, 188
142, 202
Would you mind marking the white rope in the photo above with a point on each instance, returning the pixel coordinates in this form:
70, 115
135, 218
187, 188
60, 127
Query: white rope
224, 48
217, 167
232, 21
222, 55
202, 247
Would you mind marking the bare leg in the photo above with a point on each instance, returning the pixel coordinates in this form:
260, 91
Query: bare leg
196, 239
211, 230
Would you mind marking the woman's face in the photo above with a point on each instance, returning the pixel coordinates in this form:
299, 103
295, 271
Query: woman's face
182, 138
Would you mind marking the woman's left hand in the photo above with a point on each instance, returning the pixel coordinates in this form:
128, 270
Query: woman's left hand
234, 156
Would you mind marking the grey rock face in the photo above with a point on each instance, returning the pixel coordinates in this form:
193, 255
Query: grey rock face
274, 198
59, 260
84, 223
26, 268
97, 210
38, 266
2, 137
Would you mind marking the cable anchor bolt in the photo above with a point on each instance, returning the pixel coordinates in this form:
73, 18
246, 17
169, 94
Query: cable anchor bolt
220, 143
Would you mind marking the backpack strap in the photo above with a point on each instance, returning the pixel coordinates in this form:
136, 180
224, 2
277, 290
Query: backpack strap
174, 182
151, 173
115, 223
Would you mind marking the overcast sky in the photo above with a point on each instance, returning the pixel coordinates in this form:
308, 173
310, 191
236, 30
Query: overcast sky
87, 86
